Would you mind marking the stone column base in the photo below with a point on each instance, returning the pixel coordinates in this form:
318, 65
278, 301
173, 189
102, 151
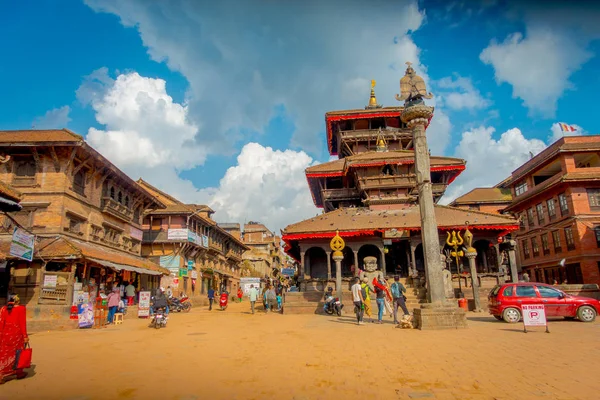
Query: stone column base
433, 317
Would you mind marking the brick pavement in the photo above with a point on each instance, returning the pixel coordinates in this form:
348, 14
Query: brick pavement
235, 355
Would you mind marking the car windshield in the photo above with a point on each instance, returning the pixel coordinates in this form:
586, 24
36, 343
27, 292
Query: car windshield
495, 290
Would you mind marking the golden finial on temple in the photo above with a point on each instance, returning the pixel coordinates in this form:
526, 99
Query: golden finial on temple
373, 99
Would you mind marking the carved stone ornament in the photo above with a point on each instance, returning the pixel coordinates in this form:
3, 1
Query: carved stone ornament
416, 114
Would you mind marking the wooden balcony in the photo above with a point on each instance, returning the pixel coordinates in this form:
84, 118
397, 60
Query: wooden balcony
112, 207
215, 246
387, 181
233, 256
388, 134
436, 188
340, 194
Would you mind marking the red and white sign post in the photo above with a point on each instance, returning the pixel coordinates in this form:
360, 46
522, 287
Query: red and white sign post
534, 315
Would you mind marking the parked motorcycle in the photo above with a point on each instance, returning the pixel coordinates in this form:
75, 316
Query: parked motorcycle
159, 319
183, 304
223, 301
333, 305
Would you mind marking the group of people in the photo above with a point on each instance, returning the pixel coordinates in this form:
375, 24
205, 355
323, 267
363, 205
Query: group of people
385, 296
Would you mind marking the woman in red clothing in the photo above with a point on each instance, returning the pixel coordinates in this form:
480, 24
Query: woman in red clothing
13, 336
240, 294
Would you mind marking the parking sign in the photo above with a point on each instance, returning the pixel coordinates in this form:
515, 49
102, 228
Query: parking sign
534, 315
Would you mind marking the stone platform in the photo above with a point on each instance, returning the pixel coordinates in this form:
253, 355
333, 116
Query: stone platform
448, 316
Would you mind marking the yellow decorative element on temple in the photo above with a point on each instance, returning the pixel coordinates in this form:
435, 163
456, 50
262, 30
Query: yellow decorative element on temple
454, 240
337, 244
469, 241
381, 142
373, 99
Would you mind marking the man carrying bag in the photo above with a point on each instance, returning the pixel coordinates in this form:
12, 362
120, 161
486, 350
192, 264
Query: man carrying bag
399, 299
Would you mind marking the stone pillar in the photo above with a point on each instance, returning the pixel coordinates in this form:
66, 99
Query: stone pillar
338, 274
416, 116
329, 265
301, 272
512, 258
383, 269
471, 254
413, 246
356, 266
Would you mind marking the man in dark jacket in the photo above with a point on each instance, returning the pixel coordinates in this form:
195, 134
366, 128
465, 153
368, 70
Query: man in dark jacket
160, 301
398, 291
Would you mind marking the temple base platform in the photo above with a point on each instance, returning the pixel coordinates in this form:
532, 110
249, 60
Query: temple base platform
435, 317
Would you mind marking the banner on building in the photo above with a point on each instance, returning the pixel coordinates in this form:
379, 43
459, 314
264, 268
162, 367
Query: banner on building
245, 284
170, 262
288, 271
177, 234
144, 304
22, 244
204, 240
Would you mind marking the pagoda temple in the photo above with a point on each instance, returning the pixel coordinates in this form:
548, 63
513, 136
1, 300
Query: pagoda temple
370, 195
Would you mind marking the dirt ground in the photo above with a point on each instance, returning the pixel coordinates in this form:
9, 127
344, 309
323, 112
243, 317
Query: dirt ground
235, 355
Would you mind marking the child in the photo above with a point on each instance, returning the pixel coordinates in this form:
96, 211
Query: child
278, 302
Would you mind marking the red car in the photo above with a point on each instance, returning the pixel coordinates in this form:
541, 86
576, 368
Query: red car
505, 301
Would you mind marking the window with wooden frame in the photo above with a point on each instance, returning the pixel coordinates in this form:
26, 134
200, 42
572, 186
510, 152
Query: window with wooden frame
535, 247
530, 219
24, 170
556, 241
569, 238
564, 206
594, 198
521, 188
540, 213
525, 246
597, 232
545, 244
157, 224
551, 209
75, 226
79, 182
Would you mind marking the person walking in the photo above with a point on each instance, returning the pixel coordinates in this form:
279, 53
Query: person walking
253, 296
271, 298
13, 337
113, 303
398, 291
211, 298
130, 293
358, 300
366, 292
240, 294
380, 298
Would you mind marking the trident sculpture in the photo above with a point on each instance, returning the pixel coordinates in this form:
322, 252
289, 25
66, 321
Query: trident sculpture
455, 241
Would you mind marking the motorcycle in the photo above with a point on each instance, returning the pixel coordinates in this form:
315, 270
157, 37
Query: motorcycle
223, 301
183, 304
159, 319
333, 305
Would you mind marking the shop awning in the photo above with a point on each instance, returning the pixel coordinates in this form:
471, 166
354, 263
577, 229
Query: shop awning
7, 205
119, 267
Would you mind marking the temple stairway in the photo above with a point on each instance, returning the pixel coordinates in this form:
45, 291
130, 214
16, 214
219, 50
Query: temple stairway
311, 302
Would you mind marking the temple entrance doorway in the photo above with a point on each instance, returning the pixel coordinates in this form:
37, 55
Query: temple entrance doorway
419, 258
369, 250
487, 260
347, 263
316, 261
397, 258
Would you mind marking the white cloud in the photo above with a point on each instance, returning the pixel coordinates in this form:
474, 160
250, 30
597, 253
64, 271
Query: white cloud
144, 127
557, 133
266, 185
53, 119
538, 65
489, 161
243, 60
460, 94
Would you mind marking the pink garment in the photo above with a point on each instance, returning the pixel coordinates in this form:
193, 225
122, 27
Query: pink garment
113, 299
13, 331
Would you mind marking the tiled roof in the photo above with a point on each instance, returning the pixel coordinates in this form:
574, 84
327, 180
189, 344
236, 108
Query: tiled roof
583, 175
39, 136
363, 111
9, 192
353, 219
485, 195
394, 156
63, 247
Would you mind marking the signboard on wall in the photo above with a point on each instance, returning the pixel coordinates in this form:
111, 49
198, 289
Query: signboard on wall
22, 244
190, 264
177, 234
170, 262
204, 240
395, 233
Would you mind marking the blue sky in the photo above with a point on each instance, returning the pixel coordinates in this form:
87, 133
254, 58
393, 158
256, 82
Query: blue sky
176, 94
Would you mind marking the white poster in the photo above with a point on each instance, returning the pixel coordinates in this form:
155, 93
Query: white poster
50, 281
22, 244
534, 315
194, 274
144, 304
177, 234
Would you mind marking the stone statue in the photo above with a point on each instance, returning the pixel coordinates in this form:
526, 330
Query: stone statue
412, 87
371, 271
448, 288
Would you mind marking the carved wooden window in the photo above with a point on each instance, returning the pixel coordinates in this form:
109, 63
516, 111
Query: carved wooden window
120, 198
530, 219
594, 198
112, 193
135, 245
551, 209
75, 226
126, 201
525, 245
136, 215
597, 232
564, 206
556, 241
569, 239
79, 182
521, 188
540, 213
545, 244
535, 247
24, 171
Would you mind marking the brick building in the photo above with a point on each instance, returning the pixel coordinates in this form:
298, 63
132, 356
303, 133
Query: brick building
186, 240
86, 217
556, 196
264, 254
491, 200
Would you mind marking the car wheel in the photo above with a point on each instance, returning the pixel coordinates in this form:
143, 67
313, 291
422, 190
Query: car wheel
511, 315
498, 317
586, 314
